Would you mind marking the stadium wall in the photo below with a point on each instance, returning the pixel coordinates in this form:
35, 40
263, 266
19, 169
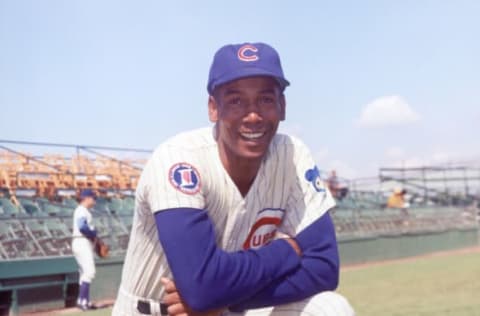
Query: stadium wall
37, 284
355, 250
107, 282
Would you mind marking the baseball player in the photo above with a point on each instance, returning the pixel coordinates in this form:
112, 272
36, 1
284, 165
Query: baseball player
233, 219
84, 235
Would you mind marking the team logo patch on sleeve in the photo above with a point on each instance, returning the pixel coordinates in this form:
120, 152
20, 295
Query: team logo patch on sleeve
313, 176
185, 178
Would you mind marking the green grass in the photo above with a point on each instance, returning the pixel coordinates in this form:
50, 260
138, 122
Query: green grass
440, 285
433, 286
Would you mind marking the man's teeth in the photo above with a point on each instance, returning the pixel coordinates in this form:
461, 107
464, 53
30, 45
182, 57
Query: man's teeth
252, 135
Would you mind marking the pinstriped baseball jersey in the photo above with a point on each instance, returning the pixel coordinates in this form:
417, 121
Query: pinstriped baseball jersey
80, 212
185, 171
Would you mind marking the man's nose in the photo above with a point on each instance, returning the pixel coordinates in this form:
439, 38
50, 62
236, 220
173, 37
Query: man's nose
253, 113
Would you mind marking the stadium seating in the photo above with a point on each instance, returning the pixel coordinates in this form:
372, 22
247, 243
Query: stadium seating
366, 216
38, 198
10, 243
69, 202
50, 172
41, 228
7, 207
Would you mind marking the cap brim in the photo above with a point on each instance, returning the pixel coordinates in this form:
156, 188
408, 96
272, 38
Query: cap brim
88, 195
245, 73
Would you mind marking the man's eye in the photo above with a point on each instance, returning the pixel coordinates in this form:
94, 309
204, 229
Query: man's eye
235, 102
267, 100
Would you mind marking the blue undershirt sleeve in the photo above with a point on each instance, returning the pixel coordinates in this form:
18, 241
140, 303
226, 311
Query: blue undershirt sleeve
85, 229
319, 270
208, 277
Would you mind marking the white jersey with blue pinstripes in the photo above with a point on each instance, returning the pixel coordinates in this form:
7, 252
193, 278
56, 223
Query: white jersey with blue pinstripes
186, 171
81, 212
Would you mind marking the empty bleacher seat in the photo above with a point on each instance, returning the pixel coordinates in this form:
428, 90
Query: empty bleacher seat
40, 237
70, 202
29, 205
9, 209
61, 235
19, 240
52, 209
65, 211
9, 242
102, 205
115, 205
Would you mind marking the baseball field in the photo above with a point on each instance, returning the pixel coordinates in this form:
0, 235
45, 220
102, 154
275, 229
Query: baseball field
434, 285
442, 284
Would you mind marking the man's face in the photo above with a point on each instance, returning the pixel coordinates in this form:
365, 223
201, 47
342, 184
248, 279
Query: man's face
247, 112
90, 202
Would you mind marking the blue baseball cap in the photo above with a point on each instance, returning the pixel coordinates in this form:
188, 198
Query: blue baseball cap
87, 193
236, 61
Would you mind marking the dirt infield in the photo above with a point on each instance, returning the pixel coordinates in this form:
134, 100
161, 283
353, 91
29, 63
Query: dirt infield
102, 305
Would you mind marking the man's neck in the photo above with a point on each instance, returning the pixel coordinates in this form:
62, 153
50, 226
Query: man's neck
242, 171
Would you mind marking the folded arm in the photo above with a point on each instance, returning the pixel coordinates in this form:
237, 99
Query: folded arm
318, 272
208, 277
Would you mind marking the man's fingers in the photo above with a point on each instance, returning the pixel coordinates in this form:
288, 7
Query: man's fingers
169, 285
294, 245
177, 309
171, 298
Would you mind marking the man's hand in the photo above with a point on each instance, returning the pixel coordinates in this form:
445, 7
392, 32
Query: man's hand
177, 307
294, 245
291, 241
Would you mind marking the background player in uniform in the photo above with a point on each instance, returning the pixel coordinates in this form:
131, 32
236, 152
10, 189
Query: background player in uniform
84, 235
234, 218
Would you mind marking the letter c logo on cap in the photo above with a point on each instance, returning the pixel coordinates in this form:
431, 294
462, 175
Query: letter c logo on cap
247, 53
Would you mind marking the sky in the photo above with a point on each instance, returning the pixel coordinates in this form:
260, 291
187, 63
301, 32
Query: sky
373, 83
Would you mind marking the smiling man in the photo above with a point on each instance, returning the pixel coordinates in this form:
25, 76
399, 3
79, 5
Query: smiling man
247, 112
233, 219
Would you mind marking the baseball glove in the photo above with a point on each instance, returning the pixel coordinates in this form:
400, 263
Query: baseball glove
101, 248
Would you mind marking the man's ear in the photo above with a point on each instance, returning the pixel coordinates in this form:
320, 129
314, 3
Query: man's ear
283, 106
212, 109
